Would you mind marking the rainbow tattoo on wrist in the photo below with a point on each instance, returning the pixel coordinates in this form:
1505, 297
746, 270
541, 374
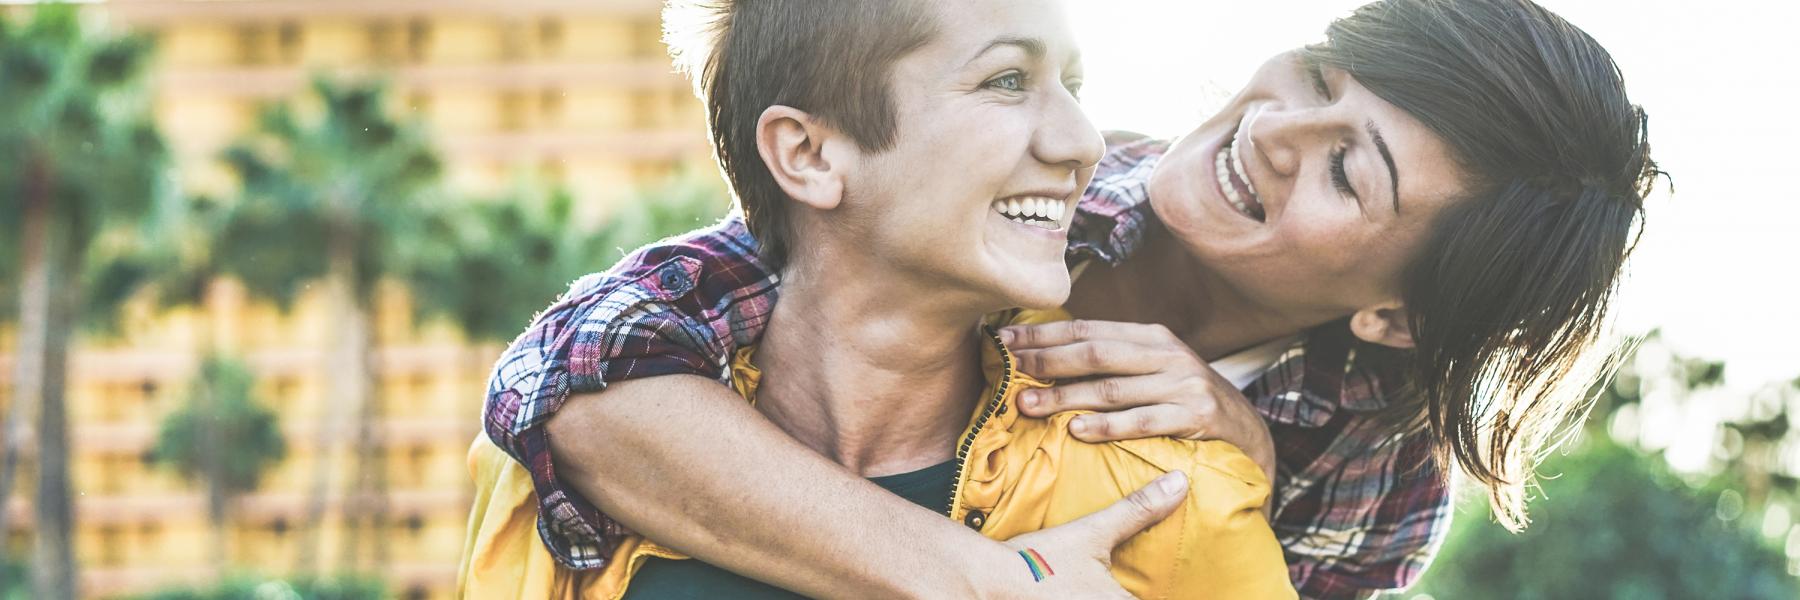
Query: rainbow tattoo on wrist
1040, 568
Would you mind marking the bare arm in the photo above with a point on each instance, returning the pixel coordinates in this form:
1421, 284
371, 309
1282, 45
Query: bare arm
684, 461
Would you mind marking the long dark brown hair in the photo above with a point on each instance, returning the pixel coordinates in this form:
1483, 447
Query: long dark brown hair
1508, 298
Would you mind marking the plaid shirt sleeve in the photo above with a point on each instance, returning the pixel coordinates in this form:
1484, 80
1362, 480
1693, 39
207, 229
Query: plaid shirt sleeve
1390, 511
680, 306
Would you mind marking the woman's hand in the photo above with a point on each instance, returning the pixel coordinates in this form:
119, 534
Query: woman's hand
1141, 380
1079, 552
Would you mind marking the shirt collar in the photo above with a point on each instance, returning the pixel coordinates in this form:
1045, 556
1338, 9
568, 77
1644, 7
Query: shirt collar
1326, 370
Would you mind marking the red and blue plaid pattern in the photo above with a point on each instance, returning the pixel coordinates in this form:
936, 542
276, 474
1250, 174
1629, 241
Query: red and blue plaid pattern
1359, 509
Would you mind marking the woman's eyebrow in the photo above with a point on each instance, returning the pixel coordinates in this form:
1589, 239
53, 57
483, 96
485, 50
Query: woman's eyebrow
1033, 47
1387, 156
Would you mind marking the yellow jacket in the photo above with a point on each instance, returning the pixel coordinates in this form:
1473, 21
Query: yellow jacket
1015, 475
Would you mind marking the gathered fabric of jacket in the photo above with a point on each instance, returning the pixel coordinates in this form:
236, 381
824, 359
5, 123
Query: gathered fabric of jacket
1015, 475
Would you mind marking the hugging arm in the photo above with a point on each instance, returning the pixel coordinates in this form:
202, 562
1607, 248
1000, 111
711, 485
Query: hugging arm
613, 395
686, 462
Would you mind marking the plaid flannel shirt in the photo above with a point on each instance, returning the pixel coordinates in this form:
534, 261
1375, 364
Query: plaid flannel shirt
1358, 508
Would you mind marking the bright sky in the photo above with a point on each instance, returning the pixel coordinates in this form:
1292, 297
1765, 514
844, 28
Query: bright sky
1716, 269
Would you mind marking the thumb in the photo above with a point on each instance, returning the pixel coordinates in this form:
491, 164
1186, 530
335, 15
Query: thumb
1148, 506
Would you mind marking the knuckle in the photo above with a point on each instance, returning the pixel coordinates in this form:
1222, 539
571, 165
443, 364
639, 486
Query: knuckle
1093, 353
1080, 328
1139, 504
1193, 383
1142, 422
1111, 392
1028, 361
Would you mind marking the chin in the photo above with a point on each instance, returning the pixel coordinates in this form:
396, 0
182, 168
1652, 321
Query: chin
1045, 290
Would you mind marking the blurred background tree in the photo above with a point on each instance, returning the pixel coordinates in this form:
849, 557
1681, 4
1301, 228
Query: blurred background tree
242, 587
1615, 519
221, 436
493, 263
86, 168
334, 188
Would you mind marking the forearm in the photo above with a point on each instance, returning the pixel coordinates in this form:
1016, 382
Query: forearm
688, 463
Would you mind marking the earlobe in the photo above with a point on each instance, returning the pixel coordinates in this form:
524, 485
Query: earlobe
1388, 325
802, 155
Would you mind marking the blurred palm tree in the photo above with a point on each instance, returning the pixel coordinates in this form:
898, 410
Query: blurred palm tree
333, 188
492, 263
223, 437
85, 173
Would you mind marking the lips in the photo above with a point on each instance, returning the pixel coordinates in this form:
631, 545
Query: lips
1234, 181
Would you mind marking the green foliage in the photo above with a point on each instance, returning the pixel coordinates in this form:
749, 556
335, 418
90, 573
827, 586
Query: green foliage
1615, 524
75, 118
336, 172
221, 434
682, 203
257, 588
1616, 521
489, 265
14, 579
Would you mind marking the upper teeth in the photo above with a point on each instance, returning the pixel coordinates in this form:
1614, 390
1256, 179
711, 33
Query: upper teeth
1037, 210
1225, 164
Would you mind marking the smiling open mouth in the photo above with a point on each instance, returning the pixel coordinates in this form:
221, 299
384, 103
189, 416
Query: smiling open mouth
1037, 211
1234, 181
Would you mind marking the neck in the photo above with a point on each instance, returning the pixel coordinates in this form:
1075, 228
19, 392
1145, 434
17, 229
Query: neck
1166, 285
875, 372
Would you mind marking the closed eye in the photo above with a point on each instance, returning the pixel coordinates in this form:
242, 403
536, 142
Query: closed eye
1317, 73
1340, 178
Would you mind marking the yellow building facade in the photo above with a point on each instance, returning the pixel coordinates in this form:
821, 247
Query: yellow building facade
571, 92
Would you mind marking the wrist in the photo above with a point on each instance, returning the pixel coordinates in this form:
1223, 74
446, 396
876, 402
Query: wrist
995, 572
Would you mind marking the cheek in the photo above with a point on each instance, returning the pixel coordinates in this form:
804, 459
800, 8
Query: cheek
1339, 252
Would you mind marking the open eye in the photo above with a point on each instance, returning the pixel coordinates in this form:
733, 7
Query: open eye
1011, 82
1074, 87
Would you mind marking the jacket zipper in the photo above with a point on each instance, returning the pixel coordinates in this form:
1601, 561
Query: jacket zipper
993, 405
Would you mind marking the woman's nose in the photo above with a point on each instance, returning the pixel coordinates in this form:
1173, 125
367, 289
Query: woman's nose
1280, 134
1066, 137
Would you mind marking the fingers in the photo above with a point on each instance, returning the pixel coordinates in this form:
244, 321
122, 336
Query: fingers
1106, 394
1148, 506
1095, 357
1138, 423
1059, 333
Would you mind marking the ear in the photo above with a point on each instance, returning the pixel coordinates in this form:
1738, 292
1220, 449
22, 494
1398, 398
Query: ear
807, 158
1387, 325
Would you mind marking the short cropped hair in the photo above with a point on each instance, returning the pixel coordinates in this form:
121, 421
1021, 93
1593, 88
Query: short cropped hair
830, 58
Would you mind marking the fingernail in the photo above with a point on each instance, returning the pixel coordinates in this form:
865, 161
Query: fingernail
1173, 483
1028, 400
1078, 426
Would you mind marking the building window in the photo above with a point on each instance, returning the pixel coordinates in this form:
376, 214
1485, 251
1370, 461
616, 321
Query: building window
550, 36
513, 39
418, 40
253, 43
287, 40
512, 111
384, 42
550, 105
111, 546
